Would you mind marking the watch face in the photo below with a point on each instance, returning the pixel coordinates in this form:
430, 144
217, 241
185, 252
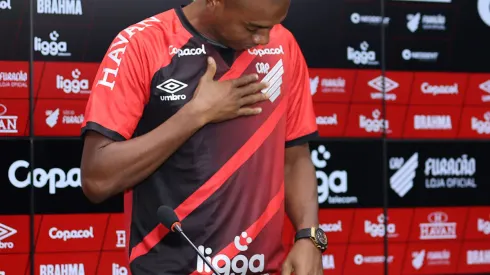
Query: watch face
321, 237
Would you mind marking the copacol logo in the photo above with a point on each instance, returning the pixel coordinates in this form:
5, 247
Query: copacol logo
335, 182
54, 177
5, 5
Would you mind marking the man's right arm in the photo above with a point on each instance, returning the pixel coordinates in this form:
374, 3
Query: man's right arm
110, 167
112, 161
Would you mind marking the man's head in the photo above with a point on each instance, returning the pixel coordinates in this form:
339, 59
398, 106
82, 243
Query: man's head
243, 24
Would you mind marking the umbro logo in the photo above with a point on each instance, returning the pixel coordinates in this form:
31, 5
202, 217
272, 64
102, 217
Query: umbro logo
485, 86
5, 232
172, 86
377, 84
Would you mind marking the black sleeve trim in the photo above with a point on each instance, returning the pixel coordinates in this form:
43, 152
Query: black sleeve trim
94, 126
301, 140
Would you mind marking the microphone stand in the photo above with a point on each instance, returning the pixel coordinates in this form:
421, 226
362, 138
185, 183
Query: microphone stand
178, 229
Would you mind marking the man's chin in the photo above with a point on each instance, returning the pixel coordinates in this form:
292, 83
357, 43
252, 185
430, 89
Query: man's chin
244, 48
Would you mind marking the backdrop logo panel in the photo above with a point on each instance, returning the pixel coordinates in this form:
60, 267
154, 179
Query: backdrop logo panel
59, 117
369, 225
342, 178
367, 120
430, 174
331, 118
14, 115
369, 87
66, 80
331, 85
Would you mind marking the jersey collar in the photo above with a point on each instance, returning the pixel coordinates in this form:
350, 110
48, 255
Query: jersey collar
188, 26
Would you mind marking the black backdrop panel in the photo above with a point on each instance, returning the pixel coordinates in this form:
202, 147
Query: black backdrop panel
13, 200
472, 38
454, 30
439, 173
14, 30
57, 179
62, 193
318, 28
349, 173
324, 30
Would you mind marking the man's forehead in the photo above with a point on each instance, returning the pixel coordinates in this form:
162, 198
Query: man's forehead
260, 12
254, 4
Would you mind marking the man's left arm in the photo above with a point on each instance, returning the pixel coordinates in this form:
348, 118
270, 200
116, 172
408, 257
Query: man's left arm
301, 197
301, 187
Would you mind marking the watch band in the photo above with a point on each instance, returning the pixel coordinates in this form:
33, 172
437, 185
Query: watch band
303, 233
316, 235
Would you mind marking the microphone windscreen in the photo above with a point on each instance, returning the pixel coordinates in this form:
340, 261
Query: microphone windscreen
167, 216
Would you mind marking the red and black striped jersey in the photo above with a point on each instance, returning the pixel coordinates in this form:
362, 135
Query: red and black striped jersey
226, 183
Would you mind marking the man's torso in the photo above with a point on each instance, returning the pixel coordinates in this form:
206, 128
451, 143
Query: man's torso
225, 182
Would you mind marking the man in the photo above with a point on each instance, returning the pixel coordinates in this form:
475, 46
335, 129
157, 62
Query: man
207, 109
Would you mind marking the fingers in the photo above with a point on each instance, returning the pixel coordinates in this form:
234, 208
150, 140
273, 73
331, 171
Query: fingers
252, 88
211, 70
244, 80
253, 98
249, 111
287, 269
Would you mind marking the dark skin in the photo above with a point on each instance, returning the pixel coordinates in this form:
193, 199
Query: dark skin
110, 167
238, 24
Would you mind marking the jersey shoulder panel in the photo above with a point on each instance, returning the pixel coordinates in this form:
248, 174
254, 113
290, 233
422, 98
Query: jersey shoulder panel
122, 85
280, 34
155, 35
166, 27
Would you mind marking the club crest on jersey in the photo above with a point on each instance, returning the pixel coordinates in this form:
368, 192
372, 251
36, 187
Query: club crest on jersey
266, 51
186, 52
273, 77
172, 86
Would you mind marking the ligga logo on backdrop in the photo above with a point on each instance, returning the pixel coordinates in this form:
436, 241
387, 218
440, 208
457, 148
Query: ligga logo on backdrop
74, 85
335, 182
363, 56
54, 47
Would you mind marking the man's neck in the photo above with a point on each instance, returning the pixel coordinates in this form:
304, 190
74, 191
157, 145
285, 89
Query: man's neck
197, 16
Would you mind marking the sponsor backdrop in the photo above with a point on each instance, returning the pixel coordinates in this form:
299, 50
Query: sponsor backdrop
437, 121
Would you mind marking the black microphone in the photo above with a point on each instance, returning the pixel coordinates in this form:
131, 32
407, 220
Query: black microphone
169, 219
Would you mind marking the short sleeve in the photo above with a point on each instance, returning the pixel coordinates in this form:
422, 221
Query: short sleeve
301, 121
120, 90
